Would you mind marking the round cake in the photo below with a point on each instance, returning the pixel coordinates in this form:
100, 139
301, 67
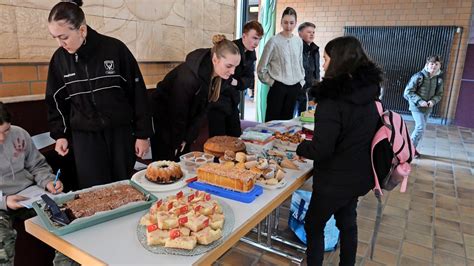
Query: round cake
218, 145
163, 172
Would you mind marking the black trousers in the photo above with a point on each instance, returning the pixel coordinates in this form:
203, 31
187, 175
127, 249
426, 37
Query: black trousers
104, 156
281, 100
222, 124
162, 149
321, 208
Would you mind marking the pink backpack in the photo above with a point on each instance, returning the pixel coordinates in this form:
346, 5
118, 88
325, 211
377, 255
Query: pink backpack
391, 154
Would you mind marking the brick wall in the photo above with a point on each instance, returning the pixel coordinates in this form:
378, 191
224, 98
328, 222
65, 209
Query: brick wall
330, 17
30, 79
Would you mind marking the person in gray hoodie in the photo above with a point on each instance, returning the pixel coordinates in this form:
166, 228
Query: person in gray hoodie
21, 166
423, 92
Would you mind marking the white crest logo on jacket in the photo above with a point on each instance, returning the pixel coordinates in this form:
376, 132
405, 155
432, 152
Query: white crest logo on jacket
109, 67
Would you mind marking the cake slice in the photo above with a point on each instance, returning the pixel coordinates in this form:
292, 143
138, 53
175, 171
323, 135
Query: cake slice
184, 231
197, 222
180, 209
148, 219
216, 221
166, 221
182, 242
205, 207
206, 236
156, 236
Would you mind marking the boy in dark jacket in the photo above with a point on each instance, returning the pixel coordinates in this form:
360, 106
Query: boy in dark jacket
223, 115
423, 92
310, 64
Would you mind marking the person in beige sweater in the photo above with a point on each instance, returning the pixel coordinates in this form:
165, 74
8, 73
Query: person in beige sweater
281, 67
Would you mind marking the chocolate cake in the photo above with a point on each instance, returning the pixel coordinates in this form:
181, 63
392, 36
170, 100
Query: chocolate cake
219, 144
104, 199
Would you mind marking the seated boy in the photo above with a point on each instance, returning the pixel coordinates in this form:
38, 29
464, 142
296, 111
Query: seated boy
21, 166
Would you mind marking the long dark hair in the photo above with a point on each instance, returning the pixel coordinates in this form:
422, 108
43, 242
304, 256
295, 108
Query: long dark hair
69, 11
5, 116
347, 56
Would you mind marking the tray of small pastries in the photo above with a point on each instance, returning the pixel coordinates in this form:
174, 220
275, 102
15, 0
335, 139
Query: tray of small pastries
91, 206
185, 224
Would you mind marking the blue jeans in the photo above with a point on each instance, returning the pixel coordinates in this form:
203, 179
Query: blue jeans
420, 125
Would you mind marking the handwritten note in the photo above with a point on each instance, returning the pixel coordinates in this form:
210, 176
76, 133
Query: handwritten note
33, 193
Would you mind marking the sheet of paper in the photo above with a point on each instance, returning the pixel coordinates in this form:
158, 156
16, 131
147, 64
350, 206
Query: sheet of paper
33, 193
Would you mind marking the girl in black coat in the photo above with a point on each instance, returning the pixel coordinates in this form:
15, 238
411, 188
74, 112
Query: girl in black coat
345, 123
181, 99
223, 115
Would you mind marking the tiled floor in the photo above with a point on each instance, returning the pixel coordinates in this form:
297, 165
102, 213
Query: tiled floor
432, 223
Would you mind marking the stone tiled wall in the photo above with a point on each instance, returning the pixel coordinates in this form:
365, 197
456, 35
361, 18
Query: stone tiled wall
330, 17
155, 31
30, 79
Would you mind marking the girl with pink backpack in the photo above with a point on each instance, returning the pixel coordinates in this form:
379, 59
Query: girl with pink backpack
346, 120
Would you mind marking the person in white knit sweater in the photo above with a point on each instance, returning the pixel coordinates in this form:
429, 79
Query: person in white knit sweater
281, 67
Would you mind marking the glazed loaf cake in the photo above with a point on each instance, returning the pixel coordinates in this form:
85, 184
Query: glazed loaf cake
234, 178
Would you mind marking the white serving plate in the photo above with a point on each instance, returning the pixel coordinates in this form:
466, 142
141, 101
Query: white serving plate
140, 179
280, 184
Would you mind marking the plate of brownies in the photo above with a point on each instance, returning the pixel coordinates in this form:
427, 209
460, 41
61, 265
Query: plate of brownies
91, 206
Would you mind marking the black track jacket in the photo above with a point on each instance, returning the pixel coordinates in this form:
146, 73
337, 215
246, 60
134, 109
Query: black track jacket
98, 87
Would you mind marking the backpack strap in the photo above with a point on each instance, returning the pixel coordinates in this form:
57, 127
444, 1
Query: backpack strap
379, 136
379, 107
378, 219
419, 80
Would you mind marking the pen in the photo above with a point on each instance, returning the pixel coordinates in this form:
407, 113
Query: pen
56, 178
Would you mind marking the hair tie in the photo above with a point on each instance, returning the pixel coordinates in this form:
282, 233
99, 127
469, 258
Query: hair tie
71, 2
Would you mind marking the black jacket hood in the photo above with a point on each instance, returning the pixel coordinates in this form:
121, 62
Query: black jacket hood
360, 87
200, 63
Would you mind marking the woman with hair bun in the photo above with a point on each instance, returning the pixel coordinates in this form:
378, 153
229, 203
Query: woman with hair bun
181, 99
96, 99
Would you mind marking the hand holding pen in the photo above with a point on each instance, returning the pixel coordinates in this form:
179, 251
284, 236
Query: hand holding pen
55, 186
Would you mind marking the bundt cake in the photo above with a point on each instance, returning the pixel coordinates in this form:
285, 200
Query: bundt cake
163, 172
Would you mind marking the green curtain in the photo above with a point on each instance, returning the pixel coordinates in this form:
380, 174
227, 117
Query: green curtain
267, 17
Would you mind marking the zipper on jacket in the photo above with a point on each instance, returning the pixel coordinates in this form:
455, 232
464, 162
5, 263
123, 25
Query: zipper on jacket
92, 94
90, 86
